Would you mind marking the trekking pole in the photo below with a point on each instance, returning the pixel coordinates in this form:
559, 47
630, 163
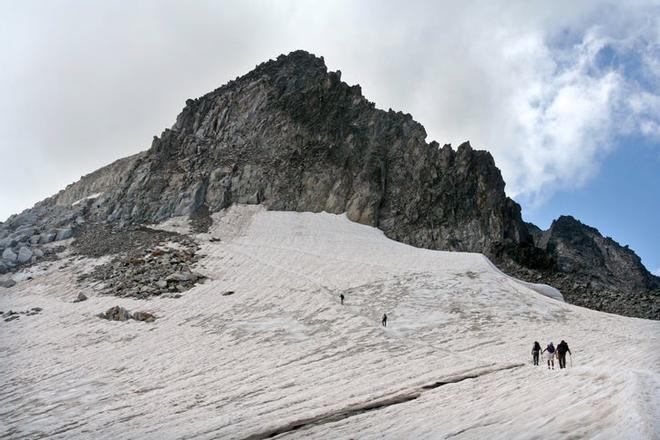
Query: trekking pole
571, 361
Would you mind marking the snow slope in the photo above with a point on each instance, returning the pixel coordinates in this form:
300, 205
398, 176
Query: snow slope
281, 357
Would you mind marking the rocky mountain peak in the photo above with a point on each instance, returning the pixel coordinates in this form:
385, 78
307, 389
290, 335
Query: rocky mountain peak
292, 136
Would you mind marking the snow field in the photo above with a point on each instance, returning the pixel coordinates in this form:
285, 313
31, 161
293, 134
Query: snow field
282, 352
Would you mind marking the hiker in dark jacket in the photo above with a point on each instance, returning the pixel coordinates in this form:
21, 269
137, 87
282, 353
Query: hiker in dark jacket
384, 321
536, 349
341, 298
550, 349
562, 348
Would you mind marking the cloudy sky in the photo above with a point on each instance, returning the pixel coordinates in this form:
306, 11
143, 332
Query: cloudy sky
565, 94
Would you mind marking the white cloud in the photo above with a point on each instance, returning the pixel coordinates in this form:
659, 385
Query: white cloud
656, 272
88, 82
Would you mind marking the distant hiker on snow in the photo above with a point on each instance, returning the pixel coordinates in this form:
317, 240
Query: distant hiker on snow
550, 349
384, 321
562, 348
536, 349
341, 298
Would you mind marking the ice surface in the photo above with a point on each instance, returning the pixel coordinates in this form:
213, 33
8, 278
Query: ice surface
282, 353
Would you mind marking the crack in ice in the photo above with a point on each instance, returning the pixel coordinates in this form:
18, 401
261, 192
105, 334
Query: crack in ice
373, 405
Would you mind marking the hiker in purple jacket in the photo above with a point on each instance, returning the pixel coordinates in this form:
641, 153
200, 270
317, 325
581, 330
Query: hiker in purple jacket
550, 350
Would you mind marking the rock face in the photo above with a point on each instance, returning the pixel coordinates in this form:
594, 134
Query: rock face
595, 271
292, 136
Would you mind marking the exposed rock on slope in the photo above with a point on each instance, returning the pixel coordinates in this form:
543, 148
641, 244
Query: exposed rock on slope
292, 136
595, 271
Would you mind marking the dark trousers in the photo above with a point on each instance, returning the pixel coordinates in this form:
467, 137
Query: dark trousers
562, 360
535, 357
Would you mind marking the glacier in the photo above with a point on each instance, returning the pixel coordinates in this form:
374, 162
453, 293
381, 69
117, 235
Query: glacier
282, 358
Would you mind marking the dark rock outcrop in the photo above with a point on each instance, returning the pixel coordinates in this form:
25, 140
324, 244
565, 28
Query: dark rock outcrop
292, 136
118, 313
595, 271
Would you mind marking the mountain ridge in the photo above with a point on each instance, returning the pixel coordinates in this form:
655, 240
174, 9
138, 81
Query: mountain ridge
292, 136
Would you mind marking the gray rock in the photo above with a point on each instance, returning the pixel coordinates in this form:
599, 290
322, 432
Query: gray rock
182, 276
162, 284
80, 298
25, 218
26, 230
24, 254
22, 238
9, 256
3, 267
7, 242
47, 237
37, 252
7, 283
63, 234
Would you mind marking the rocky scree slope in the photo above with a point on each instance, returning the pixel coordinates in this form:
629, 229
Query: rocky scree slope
292, 136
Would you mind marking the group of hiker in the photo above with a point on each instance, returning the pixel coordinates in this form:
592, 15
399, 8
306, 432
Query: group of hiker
551, 352
382, 321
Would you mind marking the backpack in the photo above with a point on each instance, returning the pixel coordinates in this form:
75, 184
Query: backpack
550, 349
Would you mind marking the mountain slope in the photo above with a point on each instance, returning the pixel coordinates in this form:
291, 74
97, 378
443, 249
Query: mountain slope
282, 356
291, 136
594, 271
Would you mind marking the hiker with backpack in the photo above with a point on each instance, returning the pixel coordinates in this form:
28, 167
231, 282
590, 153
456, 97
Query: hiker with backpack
536, 349
550, 349
384, 321
562, 348
341, 298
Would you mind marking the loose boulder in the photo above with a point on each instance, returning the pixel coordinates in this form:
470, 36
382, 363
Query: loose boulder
7, 242
143, 316
47, 237
24, 254
9, 256
80, 298
116, 313
63, 234
7, 283
185, 275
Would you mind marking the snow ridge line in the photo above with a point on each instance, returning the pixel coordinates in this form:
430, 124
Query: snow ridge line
372, 405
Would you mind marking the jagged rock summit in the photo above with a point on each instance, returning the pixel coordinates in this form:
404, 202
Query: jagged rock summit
292, 136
